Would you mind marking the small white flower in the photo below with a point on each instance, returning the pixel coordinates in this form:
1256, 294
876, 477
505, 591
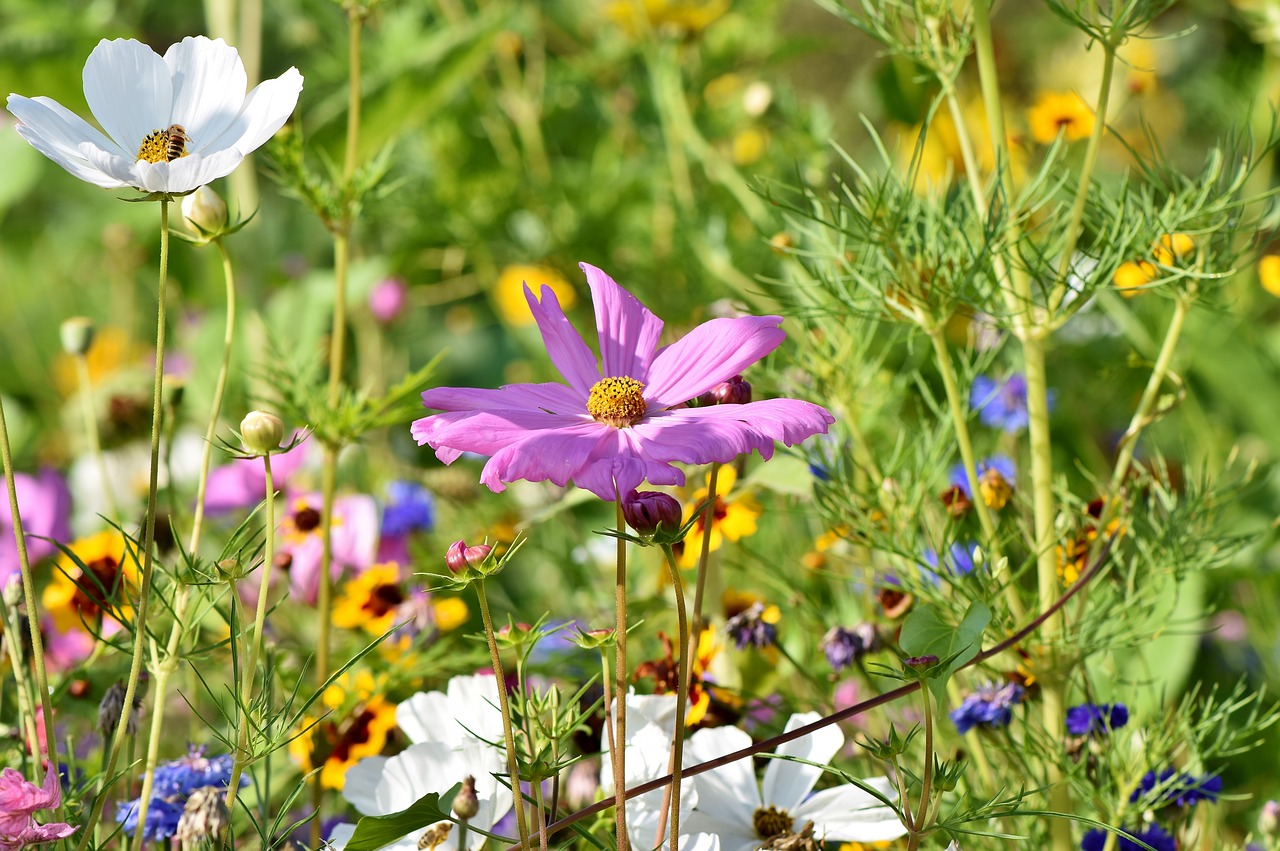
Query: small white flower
733, 806
139, 98
451, 733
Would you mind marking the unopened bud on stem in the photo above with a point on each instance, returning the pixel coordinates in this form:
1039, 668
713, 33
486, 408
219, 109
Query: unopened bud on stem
262, 432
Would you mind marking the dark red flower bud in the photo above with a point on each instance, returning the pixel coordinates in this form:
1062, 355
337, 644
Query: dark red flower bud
645, 511
735, 391
460, 556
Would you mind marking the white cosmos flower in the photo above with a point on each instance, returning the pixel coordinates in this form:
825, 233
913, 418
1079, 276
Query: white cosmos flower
451, 733
137, 96
745, 815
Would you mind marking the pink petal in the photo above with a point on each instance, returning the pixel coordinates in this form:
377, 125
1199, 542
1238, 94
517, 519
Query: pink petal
554, 454
721, 433
564, 344
715, 351
551, 397
628, 331
355, 535
485, 432
622, 462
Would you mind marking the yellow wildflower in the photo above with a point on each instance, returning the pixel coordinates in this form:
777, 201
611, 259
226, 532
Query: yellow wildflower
686, 17
1269, 273
508, 293
371, 600
1130, 278
74, 599
732, 517
1060, 112
338, 745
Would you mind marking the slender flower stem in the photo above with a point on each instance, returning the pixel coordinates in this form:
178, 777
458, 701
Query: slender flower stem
620, 686
704, 557
26, 712
255, 647
148, 542
508, 730
769, 745
91, 433
166, 666
672, 796
926, 782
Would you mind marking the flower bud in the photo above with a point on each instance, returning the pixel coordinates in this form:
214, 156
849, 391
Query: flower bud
646, 512
460, 556
466, 804
205, 212
110, 708
1269, 819
735, 391
204, 817
12, 591
261, 432
387, 299
77, 335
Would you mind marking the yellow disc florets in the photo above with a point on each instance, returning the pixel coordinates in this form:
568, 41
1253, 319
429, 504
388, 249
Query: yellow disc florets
155, 148
617, 401
770, 822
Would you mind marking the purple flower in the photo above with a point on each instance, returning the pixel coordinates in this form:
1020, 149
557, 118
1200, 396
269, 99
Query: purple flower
19, 800
1096, 719
387, 299
1178, 789
1154, 835
1001, 404
618, 423
959, 561
242, 483
754, 627
410, 508
846, 646
990, 706
44, 504
174, 783
354, 541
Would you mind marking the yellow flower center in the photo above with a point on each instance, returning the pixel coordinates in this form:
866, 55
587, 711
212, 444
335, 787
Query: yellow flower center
164, 145
770, 822
617, 401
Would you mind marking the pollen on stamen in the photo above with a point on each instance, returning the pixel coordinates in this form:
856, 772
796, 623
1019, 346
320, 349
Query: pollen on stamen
617, 401
155, 147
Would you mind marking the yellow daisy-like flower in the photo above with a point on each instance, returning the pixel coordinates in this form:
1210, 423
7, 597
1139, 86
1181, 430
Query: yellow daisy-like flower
371, 601
112, 350
451, 613
687, 17
338, 745
73, 598
732, 517
1130, 278
1269, 274
508, 294
1060, 112
1173, 247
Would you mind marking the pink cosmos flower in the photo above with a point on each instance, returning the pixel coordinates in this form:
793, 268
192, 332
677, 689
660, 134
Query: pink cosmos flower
18, 802
44, 504
354, 541
242, 483
616, 424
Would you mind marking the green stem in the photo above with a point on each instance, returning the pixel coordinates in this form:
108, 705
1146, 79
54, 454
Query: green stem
148, 542
165, 667
508, 731
620, 686
671, 797
704, 557
255, 647
26, 711
926, 782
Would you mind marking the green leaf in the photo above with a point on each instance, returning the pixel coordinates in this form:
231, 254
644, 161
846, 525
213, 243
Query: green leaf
924, 633
373, 832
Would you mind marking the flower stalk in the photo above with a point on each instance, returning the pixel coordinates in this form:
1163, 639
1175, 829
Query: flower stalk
620, 685
148, 541
672, 797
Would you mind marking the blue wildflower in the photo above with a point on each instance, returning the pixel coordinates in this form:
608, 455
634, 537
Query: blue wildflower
754, 627
1154, 835
959, 561
1096, 719
1177, 789
1001, 404
844, 646
174, 783
410, 508
989, 706
1001, 464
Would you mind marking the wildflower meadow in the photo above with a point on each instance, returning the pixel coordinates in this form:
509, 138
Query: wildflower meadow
703, 425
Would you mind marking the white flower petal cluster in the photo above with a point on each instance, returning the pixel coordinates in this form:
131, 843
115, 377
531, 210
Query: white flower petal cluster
452, 734
134, 93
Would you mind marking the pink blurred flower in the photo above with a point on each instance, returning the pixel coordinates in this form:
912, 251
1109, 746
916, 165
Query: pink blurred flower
388, 299
19, 801
242, 483
65, 650
354, 541
614, 426
44, 504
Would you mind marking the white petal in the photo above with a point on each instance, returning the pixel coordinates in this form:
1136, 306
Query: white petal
786, 783
193, 171
699, 842
422, 716
341, 835
417, 771
58, 133
129, 91
848, 814
264, 112
116, 166
729, 792
208, 87
474, 701
361, 784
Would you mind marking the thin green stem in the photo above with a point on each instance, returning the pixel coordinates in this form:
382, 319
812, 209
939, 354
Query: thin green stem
671, 797
26, 710
255, 647
166, 666
620, 685
704, 557
926, 781
148, 542
508, 729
